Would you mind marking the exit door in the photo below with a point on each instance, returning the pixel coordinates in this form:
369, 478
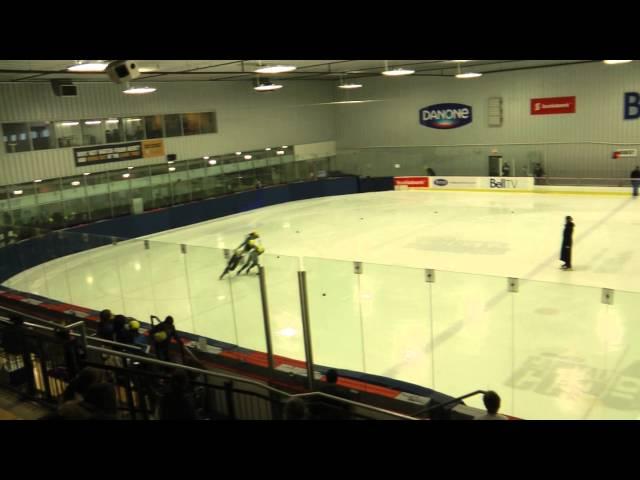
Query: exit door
495, 165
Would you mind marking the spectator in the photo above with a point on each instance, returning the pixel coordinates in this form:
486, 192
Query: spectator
431, 172
105, 327
99, 403
491, 402
77, 388
119, 326
162, 335
178, 402
295, 409
506, 169
538, 173
635, 180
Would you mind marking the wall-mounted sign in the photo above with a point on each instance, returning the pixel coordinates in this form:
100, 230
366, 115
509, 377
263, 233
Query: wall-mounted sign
446, 115
553, 105
118, 152
631, 105
627, 152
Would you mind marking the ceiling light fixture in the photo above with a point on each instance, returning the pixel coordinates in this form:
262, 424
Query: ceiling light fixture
275, 69
616, 62
212, 162
248, 157
70, 124
396, 72
172, 169
139, 90
467, 75
279, 152
93, 122
238, 153
348, 86
88, 67
17, 192
75, 183
112, 120
268, 149
37, 181
267, 87
86, 173
460, 61
126, 175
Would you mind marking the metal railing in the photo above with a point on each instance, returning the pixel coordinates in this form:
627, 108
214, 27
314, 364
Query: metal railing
139, 380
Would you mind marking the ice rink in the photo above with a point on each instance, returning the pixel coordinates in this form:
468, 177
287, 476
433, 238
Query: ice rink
552, 349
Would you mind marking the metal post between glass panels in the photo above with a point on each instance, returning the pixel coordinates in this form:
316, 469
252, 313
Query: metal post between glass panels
265, 316
306, 329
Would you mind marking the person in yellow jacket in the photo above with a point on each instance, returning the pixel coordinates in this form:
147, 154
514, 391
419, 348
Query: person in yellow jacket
252, 261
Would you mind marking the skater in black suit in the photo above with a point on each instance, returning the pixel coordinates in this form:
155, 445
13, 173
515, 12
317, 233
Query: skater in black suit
567, 243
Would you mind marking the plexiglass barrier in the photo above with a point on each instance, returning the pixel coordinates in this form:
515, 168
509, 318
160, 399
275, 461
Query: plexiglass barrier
552, 351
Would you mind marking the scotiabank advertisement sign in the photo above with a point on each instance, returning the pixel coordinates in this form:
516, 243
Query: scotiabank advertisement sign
402, 183
553, 105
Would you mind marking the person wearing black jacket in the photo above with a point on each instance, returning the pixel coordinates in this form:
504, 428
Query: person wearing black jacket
567, 243
635, 180
162, 335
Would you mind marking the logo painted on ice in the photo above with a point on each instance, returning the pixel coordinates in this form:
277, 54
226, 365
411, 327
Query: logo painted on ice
446, 115
441, 182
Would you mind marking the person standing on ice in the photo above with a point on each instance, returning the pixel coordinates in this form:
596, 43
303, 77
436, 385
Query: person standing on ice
635, 180
567, 243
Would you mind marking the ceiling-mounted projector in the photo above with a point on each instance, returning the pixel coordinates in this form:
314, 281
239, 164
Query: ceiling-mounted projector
122, 71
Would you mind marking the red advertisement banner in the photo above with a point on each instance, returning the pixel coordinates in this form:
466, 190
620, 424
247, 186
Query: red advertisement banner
412, 182
553, 105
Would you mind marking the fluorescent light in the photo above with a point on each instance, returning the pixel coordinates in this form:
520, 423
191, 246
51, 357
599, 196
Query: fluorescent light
285, 146
276, 69
280, 152
247, 157
93, 122
126, 175
139, 90
129, 168
398, 72
70, 124
86, 173
134, 119
172, 169
268, 149
146, 69
212, 162
75, 183
88, 67
616, 62
460, 61
238, 153
112, 120
205, 158
37, 181
17, 192
350, 85
267, 87
468, 75
170, 162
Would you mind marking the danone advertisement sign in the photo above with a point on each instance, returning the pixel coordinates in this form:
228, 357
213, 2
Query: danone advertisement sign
446, 115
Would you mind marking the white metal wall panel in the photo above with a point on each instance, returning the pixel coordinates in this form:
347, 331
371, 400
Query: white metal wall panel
246, 119
598, 88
